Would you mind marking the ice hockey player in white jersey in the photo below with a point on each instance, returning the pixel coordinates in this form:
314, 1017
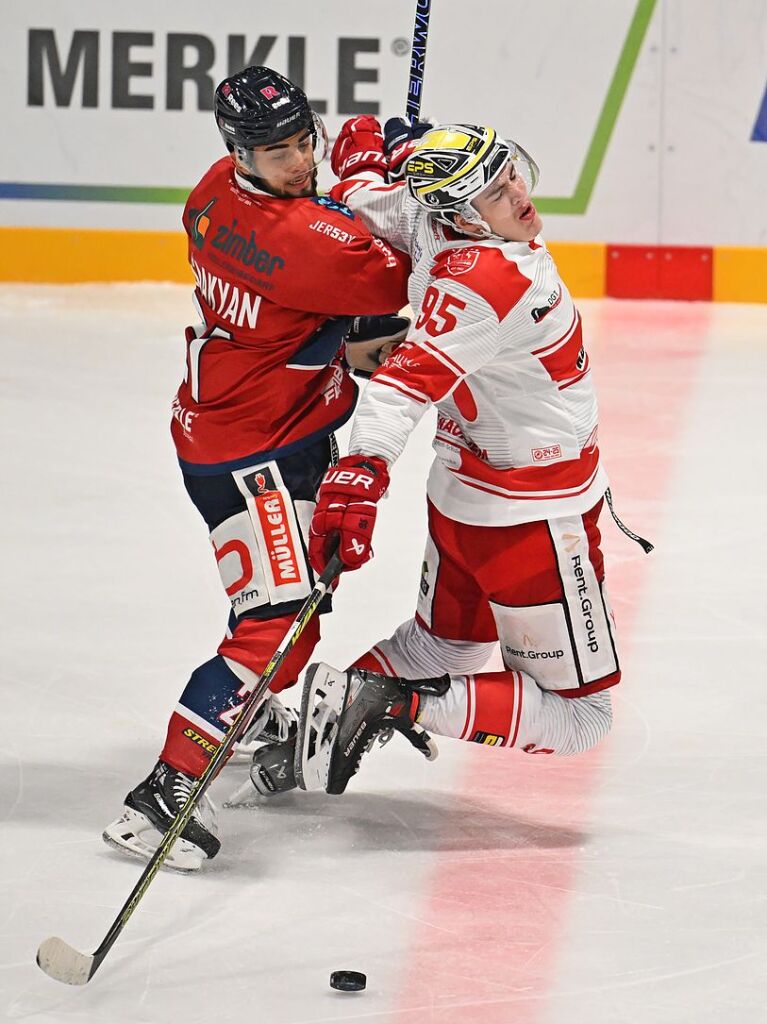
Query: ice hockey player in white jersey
517, 485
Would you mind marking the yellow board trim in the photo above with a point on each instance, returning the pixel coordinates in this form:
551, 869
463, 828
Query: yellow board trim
740, 274
67, 255
582, 266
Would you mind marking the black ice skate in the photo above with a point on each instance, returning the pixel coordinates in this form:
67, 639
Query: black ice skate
271, 772
150, 810
342, 714
273, 723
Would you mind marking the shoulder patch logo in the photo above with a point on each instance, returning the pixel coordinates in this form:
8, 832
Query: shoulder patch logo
461, 261
199, 222
333, 204
551, 303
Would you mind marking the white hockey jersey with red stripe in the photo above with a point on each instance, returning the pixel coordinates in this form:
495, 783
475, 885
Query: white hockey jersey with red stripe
497, 347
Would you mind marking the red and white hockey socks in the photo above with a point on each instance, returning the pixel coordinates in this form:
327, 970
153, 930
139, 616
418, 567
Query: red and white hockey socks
505, 708
217, 690
412, 652
509, 709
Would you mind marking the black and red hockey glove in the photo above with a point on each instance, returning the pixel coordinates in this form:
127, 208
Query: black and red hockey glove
359, 147
346, 511
372, 339
400, 139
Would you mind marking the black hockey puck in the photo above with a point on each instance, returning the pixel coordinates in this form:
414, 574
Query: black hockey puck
348, 981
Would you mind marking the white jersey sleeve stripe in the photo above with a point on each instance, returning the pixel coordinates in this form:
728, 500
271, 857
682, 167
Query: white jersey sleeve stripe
417, 396
443, 357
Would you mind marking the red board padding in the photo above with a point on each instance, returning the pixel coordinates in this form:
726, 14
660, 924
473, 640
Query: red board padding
659, 272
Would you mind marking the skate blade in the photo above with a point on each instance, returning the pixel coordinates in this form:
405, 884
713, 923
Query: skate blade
245, 796
248, 797
243, 753
422, 741
244, 750
321, 704
126, 836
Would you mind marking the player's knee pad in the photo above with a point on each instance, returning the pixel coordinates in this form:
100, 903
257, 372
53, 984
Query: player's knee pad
568, 644
260, 551
413, 652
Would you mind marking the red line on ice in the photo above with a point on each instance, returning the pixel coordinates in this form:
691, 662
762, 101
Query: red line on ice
497, 897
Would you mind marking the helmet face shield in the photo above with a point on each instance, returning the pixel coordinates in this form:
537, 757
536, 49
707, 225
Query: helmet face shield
302, 151
525, 165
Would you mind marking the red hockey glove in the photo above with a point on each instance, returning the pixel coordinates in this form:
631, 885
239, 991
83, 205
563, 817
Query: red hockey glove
346, 511
359, 147
400, 139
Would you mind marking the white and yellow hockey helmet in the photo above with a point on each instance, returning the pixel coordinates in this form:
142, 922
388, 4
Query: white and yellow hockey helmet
453, 164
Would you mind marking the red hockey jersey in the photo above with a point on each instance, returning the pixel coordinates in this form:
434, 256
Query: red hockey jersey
263, 376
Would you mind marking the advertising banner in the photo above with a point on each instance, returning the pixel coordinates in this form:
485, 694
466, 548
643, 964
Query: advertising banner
648, 117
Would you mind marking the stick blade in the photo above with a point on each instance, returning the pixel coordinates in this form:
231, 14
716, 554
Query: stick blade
62, 962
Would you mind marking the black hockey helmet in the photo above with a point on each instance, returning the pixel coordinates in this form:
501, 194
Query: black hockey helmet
258, 107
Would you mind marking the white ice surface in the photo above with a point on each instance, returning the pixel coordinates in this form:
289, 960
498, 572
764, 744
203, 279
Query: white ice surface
626, 886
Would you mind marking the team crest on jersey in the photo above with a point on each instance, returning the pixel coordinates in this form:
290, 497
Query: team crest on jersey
461, 261
333, 204
199, 222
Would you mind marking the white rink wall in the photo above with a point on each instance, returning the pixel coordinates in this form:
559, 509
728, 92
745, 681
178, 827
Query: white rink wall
648, 117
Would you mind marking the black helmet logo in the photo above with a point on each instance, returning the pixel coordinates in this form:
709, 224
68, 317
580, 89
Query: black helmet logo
226, 91
259, 107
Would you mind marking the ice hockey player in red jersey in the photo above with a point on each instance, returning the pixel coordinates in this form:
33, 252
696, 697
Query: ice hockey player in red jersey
283, 276
516, 488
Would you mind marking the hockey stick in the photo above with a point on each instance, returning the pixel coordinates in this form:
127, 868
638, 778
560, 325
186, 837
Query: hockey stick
66, 964
418, 59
